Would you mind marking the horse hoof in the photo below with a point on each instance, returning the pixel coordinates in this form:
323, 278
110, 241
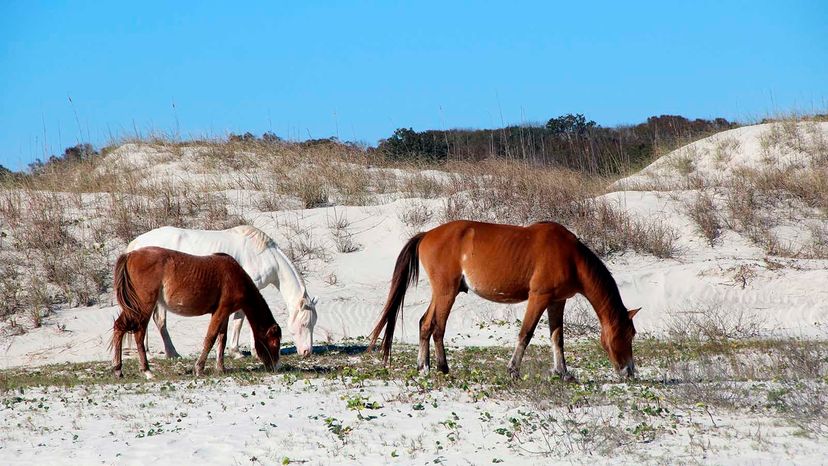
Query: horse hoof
237, 355
198, 371
149, 375
118, 374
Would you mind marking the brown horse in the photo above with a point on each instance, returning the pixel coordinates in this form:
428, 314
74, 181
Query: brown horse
544, 263
189, 286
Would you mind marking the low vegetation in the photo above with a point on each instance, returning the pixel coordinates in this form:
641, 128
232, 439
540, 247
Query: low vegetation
568, 141
792, 189
66, 219
680, 379
62, 225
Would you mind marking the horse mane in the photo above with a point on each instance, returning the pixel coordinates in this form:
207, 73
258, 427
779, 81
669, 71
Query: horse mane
253, 296
259, 238
264, 242
600, 277
264, 319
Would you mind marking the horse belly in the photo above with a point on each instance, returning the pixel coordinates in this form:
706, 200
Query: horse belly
496, 290
186, 301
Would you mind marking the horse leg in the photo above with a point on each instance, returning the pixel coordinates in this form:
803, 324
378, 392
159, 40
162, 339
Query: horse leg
555, 312
142, 350
117, 343
534, 309
222, 341
238, 320
426, 328
209, 341
442, 308
160, 318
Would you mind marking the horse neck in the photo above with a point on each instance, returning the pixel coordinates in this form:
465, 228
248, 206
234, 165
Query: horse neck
286, 278
257, 312
601, 291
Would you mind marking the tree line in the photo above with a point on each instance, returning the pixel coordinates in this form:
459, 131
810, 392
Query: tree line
569, 141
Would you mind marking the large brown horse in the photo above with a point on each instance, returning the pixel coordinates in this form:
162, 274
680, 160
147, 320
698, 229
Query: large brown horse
543, 263
189, 286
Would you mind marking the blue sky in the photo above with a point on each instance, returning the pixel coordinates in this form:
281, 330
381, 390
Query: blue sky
361, 69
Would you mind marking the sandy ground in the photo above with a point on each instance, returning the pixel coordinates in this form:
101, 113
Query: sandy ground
223, 423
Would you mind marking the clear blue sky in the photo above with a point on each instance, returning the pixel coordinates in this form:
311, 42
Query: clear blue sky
362, 69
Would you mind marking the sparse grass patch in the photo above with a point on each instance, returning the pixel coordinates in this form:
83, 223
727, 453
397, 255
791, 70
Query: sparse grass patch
339, 227
608, 229
580, 322
12, 295
685, 161
713, 323
521, 194
415, 217
703, 211
422, 186
758, 200
310, 188
679, 380
302, 245
725, 149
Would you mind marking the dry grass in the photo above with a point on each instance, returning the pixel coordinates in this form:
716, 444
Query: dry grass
703, 211
790, 189
713, 323
415, 217
521, 194
66, 224
685, 164
340, 229
725, 149
302, 245
759, 200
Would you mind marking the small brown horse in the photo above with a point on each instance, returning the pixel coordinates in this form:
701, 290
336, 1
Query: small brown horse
544, 263
189, 286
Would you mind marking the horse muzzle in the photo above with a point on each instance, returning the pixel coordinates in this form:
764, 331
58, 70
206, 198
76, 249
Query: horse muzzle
627, 371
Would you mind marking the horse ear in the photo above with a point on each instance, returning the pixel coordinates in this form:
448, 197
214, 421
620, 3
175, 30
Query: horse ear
633, 312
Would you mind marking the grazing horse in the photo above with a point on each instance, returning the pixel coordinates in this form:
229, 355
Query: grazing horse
260, 257
189, 286
543, 263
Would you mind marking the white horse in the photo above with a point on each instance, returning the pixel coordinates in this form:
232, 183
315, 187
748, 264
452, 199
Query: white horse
260, 257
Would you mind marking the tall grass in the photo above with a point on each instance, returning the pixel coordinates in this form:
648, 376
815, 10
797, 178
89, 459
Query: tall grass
66, 223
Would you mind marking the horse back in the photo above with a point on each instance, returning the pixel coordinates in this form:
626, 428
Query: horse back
187, 284
204, 242
503, 263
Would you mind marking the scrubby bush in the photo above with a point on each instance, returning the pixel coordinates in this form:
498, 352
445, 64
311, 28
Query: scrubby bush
569, 141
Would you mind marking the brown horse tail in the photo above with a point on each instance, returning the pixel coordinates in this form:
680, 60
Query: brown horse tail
406, 272
130, 318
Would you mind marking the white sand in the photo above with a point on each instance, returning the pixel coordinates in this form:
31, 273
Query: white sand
792, 301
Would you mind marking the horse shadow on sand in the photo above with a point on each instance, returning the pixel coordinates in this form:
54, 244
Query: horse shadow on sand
311, 364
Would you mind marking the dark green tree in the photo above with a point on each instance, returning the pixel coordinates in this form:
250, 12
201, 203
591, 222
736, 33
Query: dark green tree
570, 124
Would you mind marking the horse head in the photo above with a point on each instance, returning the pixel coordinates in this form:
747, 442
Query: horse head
301, 321
268, 349
617, 341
